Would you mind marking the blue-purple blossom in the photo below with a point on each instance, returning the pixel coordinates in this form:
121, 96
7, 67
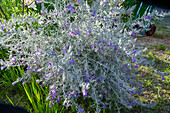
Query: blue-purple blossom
84, 93
71, 33
2, 67
70, 8
109, 44
4, 47
115, 47
14, 83
81, 110
148, 17
100, 79
93, 77
71, 61
50, 64
48, 75
162, 78
104, 106
134, 51
84, 71
106, 3
136, 65
103, 61
79, 52
99, 42
74, 95
101, 47
78, 95
53, 53
88, 32
125, 65
93, 14
78, 32
91, 20
133, 33
38, 1
63, 31
92, 45
86, 79
35, 62
133, 59
144, 63
14, 59
91, 10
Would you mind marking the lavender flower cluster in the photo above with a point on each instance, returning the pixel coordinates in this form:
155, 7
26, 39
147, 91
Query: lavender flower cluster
76, 51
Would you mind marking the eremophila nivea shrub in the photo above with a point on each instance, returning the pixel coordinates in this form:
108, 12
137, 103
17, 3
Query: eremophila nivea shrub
79, 50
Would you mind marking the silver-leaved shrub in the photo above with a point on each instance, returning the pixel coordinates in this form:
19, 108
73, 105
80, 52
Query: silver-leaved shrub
79, 50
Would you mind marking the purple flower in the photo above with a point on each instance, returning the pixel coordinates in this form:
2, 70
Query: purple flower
70, 8
92, 45
2, 67
81, 110
115, 5
109, 44
84, 93
74, 96
93, 14
35, 62
103, 61
106, 3
104, 106
115, 47
71, 61
93, 77
162, 78
86, 79
48, 75
133, 59
14, 83
50, 64
133, 33
100, 79
91, 10
23, 21
84, 71
79, 52
78, 95
91, 20
99, 42
128, 13
71, 33
125, 65
88, 32
53, 53
64, 51
78, 32
63, 31
4, 47
101, 47
14, 59
58, 100
136, 65
38, 1
144, 63
148, 17
134, 51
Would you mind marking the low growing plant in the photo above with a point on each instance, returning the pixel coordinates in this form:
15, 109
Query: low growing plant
78, 50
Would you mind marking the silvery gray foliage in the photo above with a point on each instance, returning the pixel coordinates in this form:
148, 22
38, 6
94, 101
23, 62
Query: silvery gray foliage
77, 51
